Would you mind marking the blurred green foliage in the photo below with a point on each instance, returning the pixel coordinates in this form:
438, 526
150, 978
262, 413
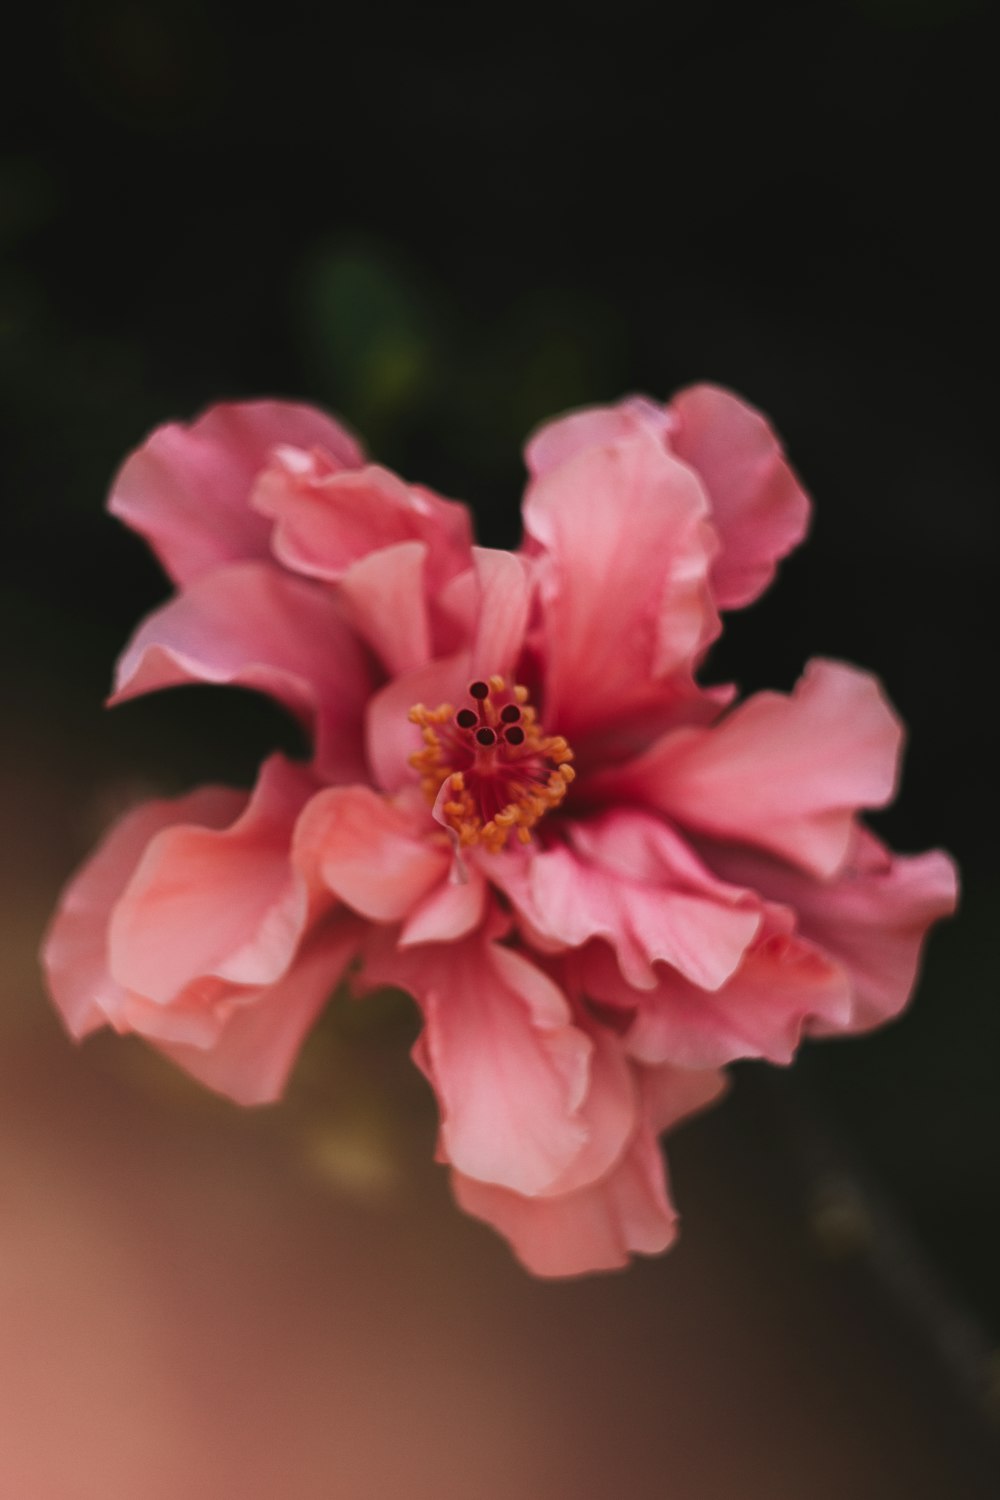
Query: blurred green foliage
390, 350
371, 335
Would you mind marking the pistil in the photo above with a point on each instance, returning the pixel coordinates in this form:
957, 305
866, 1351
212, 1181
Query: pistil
490, 770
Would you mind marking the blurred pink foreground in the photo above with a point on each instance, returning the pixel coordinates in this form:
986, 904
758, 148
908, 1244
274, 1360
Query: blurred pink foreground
221, 1304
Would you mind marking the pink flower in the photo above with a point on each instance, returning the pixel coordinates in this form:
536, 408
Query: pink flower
600, 881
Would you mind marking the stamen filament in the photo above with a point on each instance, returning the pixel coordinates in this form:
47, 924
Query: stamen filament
503, 773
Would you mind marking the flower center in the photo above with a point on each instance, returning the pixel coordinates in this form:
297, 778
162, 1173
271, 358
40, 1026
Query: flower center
498, 771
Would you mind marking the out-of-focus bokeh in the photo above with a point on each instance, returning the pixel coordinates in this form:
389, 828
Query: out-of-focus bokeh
446, 227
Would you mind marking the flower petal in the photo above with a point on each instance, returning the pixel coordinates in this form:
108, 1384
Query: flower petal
783, 988
486, 606
672, 1095
187, 489
251, 625
213, 902
327, 519
385, 599
872, 918
369, 852
558, 441
609, 1112
623, 555
758, 506
598, 1227
252, 1054
626, 878
502, 613
509, 1068
784, 773
75, 948
390, 737
452, 910
195, 1015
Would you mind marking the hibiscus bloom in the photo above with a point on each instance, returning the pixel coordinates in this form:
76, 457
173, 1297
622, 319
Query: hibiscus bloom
600, 881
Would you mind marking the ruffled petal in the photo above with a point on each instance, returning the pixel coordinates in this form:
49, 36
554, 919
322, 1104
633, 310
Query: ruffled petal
385, 599
195, 1015
504, 597
622, 557
758, 506
609, 1113
484, 611
452, 910
256, 1041
599, 1226
187, 489
784, 988
390, 736
327, 519
626, 878
596, 1228
368, 852
559, 441
221, 903
872, 918
158, 902
671, 1095
75, 948
784, 773
251, 625
509, 1068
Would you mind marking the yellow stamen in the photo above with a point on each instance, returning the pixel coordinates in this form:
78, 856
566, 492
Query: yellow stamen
514, 764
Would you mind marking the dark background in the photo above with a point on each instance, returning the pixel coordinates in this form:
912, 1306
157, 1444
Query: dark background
447, 233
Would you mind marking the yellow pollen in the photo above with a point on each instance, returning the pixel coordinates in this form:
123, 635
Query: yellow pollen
503, 772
